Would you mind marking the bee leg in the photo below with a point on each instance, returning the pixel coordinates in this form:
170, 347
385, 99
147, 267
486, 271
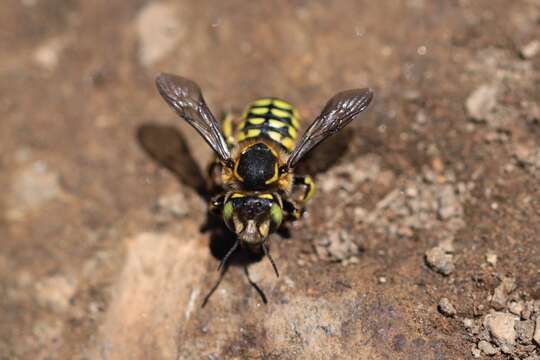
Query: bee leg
307, 182
228, 129
293, 212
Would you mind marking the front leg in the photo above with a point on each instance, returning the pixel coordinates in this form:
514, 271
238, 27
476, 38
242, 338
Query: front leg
216, 204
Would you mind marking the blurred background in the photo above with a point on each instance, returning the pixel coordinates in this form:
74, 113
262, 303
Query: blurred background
422, 238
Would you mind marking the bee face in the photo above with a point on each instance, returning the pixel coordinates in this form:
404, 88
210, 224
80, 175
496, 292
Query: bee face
252, 217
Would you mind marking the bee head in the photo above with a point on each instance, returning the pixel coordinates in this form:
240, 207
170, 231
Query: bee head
252, 217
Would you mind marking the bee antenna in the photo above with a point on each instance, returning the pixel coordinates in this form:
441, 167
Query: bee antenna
267, 254
226, 257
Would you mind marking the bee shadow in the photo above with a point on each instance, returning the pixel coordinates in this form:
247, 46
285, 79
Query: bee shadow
166, 146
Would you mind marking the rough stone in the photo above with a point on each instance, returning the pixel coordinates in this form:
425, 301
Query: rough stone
501, 328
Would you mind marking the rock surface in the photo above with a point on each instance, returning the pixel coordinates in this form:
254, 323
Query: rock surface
501, 327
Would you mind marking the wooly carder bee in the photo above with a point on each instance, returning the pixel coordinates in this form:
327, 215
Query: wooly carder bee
253, 173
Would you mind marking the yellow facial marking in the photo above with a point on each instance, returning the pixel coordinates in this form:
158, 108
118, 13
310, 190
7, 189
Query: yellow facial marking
237, 195
241, 136
282, 104
280, 113
266, 196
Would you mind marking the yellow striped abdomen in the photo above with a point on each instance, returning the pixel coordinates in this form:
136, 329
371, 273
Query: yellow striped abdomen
272, 119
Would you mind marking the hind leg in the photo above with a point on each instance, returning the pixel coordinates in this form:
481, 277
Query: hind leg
305, 182
303, 190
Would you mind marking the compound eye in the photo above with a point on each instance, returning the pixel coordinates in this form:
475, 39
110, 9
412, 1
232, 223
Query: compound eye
276, 215
228, 210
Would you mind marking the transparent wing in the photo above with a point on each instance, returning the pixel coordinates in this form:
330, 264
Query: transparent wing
340, 110
185, 97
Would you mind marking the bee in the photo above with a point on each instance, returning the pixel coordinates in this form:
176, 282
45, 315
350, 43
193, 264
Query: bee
256, 189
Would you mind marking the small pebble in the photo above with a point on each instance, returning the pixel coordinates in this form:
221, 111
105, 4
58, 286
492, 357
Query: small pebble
491, 258
468, 323
516, 307
487, 348
441, 259
481, 102
446, 308
530, 50
382, 280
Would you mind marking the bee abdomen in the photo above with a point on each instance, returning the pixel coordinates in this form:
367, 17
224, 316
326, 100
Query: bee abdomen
272, 119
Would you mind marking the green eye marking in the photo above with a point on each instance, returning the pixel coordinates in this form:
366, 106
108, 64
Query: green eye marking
276, 213
227, 211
